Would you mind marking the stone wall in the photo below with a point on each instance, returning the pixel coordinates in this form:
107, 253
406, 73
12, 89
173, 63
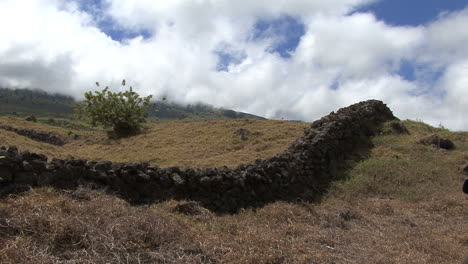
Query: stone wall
301, 172
48, 138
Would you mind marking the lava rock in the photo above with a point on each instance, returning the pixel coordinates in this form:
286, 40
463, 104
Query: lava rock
242, 133
438, 142
5, 175
31, 119
399, 128
190, 208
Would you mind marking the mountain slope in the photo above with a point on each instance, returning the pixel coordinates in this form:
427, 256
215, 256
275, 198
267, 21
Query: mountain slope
23, 102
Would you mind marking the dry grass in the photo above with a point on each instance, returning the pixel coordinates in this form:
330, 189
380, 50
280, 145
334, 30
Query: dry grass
177, 143
46, 226
403, 205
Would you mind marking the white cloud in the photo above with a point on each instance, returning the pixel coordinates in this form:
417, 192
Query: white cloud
53, 45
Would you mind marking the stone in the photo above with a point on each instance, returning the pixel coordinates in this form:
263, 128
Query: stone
31, 119
242, 133
142, 177
75, 162
103, 166
38, 165
438, 142
5, 175
191, 208
5, 161
26, 166
26, 155
465, 186
45, 178
57, 163
26, 178
399, 128
12, 150
176, 179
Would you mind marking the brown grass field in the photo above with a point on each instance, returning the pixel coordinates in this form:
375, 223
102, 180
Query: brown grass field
402, 205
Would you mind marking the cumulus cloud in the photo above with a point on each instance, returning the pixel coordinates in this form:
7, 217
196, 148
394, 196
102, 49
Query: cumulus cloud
236, 54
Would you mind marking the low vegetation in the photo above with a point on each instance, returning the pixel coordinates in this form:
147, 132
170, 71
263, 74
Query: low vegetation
402, 205
124, 112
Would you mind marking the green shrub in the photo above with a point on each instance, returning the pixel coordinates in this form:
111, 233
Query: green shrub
124, 112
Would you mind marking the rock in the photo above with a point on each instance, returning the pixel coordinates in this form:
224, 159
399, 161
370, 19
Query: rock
12, 150
27, 166
5, 161
142, 177
130, 167
75, 162
45, 178
5, 175
48, 138
399, 128
31, 119
191, 208
26, 155
438, 142
26, 178
465, 186
56, 163
176, 179
38, 165
103, 166
242, 133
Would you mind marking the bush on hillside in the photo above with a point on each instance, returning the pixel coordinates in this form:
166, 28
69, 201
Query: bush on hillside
124, 112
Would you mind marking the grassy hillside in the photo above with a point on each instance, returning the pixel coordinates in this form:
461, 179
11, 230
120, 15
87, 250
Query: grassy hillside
182, 143
402, 205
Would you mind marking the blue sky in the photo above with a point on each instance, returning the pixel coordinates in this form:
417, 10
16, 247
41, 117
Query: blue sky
297, 59
412, 12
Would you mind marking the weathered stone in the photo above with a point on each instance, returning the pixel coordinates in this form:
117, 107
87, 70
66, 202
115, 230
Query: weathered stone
31, 119
5, 175
242, 133
26, 155
38, 165
12, 150
142, 177
48, 138
5, 161
465, 186
45, 178
438, 142
75, 162
26, 178
176, 179
27, 166
103, 166
57, 163
190, 208
399, 128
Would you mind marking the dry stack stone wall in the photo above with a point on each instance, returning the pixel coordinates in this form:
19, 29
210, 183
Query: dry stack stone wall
311, 162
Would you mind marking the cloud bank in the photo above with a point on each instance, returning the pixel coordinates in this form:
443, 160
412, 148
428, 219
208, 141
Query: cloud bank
292, 59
